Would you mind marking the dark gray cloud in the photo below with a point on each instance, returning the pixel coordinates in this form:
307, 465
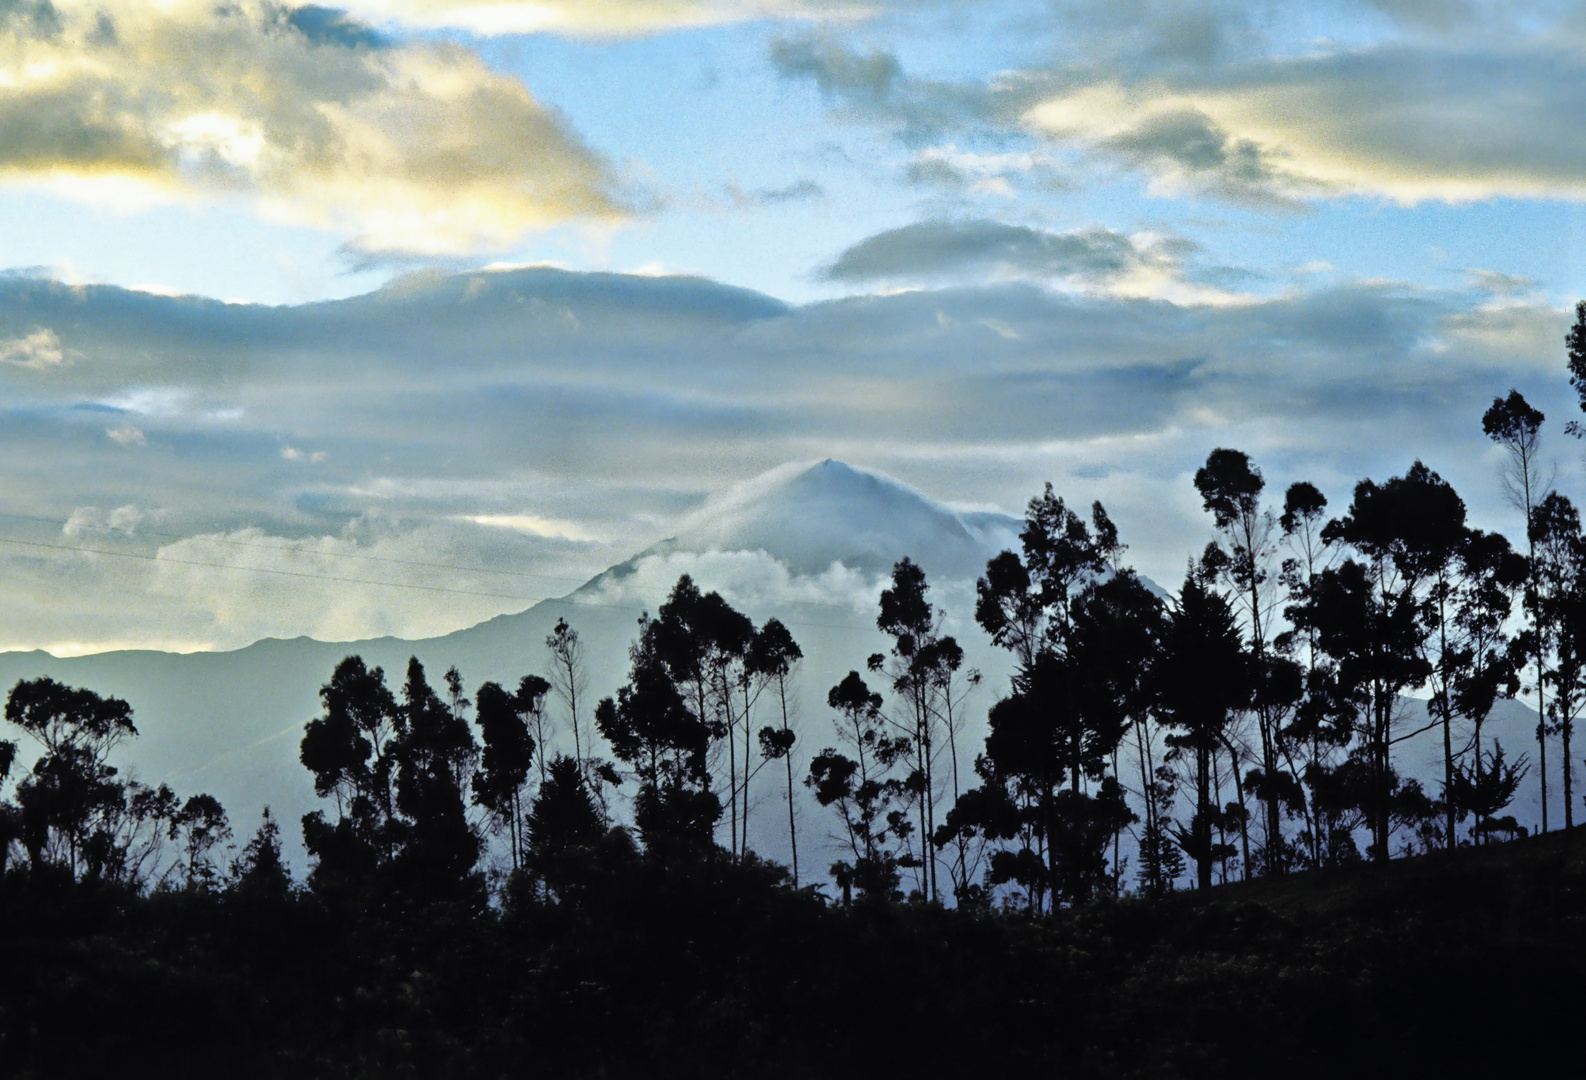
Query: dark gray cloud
934, 250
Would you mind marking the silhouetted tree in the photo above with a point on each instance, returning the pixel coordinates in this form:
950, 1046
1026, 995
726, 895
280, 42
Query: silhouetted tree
73, 813
1230, 488
351, 750
1371, 632
260, 874
703, 643
773, 656
1486, 786
565, 828
1558, 574
1491, 573
652, 728
864, 789
199, 827
571, 683
508, 754
1517, 427
1314, 730
921, 667
435, 757
1049, 730
1203, 678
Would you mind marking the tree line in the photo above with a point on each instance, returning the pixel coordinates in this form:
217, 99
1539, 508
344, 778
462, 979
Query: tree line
1251, 724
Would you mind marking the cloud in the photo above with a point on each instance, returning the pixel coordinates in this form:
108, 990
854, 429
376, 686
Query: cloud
467, 419
533, 524
1407, 124
39, 351
126, 435
598, 18
989, 174
1443, 102
751, 579
871, 86
312, 118
977, 249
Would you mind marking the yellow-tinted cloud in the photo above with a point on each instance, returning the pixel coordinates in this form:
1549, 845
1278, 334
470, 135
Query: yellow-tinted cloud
597, 17
39, 351
417, 148
1407, 125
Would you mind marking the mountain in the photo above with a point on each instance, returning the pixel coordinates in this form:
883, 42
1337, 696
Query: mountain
808, 543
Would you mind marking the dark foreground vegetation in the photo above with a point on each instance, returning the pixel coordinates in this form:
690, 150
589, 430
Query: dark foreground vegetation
1457, 963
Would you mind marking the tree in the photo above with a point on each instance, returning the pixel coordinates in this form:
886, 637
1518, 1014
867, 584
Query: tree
864, 789
774, 655
399, 773
570, 681
1230, 488
1053, 729
1313, 730
1370, 630
564, 828
508, 754
651, 727
921, 668
703, 643
1485, 787
1558, 573
351, 750
260, 873
1203, 678
1517, 427
1488, 667
435, 757
200, 826
1575, 348
73, 814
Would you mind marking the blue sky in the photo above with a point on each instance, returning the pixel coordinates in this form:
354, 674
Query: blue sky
1325, 232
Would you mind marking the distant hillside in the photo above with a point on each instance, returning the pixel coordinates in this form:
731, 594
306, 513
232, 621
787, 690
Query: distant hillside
808, 543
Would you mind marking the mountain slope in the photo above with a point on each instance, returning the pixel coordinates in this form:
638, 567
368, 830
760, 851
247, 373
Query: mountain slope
229, 723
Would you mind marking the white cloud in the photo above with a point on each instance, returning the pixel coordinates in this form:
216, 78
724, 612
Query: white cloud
531, 523
38, 351
598, 18
312, 457
90, 519
126, 435
750, 579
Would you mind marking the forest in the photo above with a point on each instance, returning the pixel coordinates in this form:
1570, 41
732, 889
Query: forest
1186, 844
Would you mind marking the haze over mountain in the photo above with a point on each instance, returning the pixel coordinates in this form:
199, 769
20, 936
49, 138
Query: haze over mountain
808, 543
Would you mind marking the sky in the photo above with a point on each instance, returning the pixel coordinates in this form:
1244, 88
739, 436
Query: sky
393, 317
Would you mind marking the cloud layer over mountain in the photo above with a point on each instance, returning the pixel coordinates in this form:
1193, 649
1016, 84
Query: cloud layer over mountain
502, 436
